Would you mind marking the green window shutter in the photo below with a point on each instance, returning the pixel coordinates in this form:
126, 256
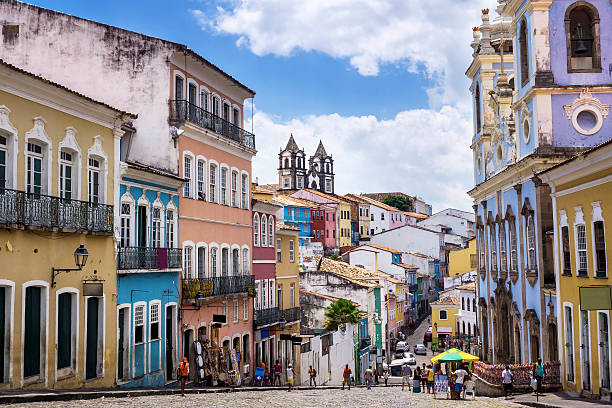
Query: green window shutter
31, 347
64, 330
91, 368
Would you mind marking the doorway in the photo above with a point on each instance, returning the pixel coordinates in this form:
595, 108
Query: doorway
170, 341
123, 360
142, 226
187, 342
91, 341
585, 350
604, 350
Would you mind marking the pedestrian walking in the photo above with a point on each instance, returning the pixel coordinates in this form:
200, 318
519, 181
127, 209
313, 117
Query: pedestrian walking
290, 374
538, 374
423, 377
406, 373
430, 379
346, 377
376, 374
386, 376
277, 373
416, 381
184, 373
369, 377
313, 376
507, 380
460, 374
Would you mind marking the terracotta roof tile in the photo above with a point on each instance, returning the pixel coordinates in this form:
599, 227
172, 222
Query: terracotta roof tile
292, 201
407, 266
468, 286
328, 297
451, 300
416, 215
379, 204
356, 274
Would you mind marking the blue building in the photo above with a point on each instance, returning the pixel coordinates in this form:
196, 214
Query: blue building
148, 276
296, 213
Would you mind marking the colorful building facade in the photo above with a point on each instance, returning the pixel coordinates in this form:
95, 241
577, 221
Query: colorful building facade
58, 151
581, 198
149, 266
464, 260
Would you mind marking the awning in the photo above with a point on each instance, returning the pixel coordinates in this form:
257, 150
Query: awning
445, 330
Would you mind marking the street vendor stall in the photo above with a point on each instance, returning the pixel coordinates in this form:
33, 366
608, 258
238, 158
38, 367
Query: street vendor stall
451, 356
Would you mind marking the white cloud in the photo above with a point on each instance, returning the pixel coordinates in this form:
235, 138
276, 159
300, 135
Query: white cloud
422, 152
430, 37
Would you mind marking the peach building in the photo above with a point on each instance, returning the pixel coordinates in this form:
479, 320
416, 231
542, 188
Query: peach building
215, 217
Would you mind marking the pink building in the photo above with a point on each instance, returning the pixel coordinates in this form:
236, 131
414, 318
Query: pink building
392, 316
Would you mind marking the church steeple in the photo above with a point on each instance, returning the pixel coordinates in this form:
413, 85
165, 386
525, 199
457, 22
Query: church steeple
291, 145
321, 150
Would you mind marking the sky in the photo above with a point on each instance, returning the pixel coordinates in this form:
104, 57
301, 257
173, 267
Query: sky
380, 82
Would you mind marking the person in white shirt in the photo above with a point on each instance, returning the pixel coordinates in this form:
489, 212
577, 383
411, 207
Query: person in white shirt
507, 381
461, 374
290, 374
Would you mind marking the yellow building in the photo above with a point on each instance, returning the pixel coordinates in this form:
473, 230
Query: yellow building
443, 318
360, 213
582, 206
400, 301
463, 260
262, 193
288, 295
57, 166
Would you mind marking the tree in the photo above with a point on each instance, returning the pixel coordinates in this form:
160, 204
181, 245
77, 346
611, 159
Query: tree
399, 202
340, 313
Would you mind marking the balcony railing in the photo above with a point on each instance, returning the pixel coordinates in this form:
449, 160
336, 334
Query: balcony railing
219, 286
38, 210
267, 316
364, 343
293, 314
149, 258
182, 110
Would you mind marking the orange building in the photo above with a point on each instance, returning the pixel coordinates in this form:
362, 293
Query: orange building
215, 212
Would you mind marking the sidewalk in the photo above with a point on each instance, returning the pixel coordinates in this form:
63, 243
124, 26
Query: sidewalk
557, 400
24, 397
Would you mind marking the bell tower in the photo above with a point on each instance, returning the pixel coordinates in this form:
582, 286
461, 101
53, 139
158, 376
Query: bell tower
321, 171
291, 167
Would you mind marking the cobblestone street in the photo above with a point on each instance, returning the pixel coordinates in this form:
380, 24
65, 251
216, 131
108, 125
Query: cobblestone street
357, 397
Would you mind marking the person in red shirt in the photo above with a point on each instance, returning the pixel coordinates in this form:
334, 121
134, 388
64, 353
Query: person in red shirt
346, 377
277, 373
184, 371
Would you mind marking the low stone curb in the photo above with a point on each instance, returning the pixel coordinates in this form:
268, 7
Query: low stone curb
23, 398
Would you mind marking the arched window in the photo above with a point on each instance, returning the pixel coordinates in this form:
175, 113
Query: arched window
493, 247
271, 232
523, 50
256, 230
212, 264
531, 245
474, 304
264, 234
582, 38
477, 102
245, 261
462, 303
286, 163
503, 259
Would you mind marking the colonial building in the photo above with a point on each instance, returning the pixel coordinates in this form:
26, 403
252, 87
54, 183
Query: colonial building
293, 174
149, 265
360, 217
581, 190
528, 116
58, 160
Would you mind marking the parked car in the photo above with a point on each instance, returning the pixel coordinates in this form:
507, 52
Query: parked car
420, 349
395, 371
399, 354
409, 358
427, 336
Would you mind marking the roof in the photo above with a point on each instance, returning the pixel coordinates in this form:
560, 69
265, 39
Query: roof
355, 274
286, 227
382, 196
355, 198
291, 145
395, 280
266, 188
321, 150
581, 154
418, 255
155, 171
331, 197
452, 300
383, 248
291, 201
416, 215
406, 266
422, 275
468, 286
55, 84
379, 203
328, 297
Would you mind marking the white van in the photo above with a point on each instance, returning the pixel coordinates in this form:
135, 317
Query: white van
395, 371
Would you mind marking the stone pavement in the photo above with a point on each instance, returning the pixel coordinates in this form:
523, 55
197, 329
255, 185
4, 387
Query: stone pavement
303, 398
558, 400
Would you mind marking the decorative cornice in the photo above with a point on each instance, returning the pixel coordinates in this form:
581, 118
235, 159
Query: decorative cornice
586, 98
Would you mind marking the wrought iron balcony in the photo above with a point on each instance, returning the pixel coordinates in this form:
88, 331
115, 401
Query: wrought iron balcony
149, 258
219, 286
267, 316
49, 212
293, 314
182, 110
364, 343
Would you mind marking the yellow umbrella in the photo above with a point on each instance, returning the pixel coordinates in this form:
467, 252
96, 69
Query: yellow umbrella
453, 356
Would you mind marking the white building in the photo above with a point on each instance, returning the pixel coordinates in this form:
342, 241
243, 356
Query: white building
379, 258
466, 318
459, 222
409, 239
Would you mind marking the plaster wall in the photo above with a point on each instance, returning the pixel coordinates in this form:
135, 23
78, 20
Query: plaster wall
409, 239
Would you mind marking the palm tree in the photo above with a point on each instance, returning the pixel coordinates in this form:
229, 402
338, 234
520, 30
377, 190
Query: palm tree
340, 313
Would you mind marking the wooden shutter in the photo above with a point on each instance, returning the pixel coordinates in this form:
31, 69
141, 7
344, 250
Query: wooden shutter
31, 347
64, 330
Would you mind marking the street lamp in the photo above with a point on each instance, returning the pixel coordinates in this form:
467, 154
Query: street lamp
80, 258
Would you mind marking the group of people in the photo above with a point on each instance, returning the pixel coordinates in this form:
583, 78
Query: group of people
275, 378
420, 378
537, 375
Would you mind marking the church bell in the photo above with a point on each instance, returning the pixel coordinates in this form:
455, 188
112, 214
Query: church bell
580, 45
